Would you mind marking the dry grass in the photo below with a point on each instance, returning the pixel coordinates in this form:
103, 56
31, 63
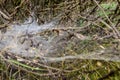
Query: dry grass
103, 30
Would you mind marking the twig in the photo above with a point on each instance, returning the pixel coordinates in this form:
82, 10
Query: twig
4, 15
112, 25
100, 55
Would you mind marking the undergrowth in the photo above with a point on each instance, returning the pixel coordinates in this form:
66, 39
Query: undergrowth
81, 13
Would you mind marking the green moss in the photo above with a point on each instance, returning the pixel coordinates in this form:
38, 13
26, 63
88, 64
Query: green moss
108, 7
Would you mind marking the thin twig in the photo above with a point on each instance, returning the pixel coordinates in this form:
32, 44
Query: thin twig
112, 25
